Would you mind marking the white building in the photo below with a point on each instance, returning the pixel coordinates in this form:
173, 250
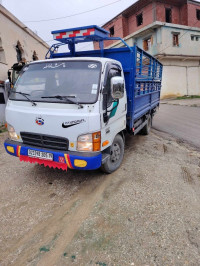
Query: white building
17, 43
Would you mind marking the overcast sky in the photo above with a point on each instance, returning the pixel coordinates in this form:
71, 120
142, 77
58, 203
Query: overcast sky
34, 10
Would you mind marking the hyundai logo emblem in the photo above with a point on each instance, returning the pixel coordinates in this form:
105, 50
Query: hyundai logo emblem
39, 121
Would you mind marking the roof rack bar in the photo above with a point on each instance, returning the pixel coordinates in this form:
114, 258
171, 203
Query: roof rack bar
78, 35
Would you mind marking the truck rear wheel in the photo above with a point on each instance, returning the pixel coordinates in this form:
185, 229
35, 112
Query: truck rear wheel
116, 156
146, 129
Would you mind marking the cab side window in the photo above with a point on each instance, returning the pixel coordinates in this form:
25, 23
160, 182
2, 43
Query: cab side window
113, 72
2, 99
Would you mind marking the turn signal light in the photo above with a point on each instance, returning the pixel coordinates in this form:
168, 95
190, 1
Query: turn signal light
96, 139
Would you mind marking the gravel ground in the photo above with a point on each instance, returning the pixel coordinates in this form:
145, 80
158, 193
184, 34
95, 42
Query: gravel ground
150, 212
29, 195
146, 213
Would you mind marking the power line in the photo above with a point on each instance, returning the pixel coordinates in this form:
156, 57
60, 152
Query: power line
35, 21
134, 19
180, 36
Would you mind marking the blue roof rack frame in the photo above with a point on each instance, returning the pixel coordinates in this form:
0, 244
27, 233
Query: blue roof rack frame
73, 36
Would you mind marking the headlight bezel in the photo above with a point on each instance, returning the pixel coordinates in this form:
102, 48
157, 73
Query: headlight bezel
90, 142
12, 133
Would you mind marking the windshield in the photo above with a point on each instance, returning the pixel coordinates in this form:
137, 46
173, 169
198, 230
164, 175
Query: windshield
75, 79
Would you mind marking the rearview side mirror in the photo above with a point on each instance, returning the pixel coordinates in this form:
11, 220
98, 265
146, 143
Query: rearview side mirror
117, 87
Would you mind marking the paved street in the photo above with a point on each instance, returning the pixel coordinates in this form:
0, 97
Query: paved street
183, 122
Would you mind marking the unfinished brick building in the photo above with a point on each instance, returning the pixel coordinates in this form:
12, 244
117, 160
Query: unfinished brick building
169, 30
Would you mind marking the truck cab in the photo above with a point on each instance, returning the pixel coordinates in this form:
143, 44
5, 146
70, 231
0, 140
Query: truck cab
67, 106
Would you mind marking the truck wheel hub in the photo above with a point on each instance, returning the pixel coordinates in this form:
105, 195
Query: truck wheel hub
115, 153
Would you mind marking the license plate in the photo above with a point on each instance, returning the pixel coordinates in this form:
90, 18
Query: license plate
40, 155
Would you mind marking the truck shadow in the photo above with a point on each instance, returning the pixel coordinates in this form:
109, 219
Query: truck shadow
132, 143
73, 178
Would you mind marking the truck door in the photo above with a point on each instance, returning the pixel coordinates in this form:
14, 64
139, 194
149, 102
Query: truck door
113, 111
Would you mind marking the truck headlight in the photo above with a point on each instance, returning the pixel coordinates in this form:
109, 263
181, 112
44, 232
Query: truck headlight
89, 142
12, 133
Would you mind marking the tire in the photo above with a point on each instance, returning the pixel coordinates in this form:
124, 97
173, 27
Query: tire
116, 156
146, 129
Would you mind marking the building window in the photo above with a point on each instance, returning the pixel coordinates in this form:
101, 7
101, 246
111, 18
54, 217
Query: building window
147, 43
168, 15
35, 56
2, 53
198, 14
195, 37
20, 52
139, 19
176, 39
112, 31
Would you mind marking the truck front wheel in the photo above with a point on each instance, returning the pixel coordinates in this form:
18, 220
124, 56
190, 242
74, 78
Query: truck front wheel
116, 156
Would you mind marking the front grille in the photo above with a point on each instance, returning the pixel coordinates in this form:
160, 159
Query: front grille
45, 141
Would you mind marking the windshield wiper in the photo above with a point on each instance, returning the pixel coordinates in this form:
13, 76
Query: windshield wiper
25, 95
64, 97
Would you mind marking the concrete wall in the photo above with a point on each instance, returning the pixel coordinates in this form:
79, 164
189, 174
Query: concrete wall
163, 39
180, 78
174, 82
12, 31
187, 46
193, 79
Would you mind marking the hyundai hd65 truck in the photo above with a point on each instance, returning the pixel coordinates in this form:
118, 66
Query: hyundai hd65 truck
72, 109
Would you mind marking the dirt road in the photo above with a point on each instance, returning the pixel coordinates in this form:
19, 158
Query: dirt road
146, 213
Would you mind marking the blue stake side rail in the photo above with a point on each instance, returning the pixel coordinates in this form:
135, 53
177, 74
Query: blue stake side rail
143, 73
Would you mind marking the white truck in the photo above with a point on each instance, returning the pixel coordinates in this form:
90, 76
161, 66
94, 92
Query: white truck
73, 109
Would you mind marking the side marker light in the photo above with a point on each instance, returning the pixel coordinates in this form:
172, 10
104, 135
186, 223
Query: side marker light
10, 149
105, 143
80, 163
